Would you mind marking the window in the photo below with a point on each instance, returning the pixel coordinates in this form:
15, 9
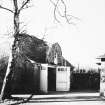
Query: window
62, 69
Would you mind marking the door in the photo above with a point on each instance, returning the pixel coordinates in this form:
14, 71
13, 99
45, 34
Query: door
51, 79
63, 79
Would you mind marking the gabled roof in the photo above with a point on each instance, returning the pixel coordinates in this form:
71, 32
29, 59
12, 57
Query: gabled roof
40, 51
32, 47
67, 63
52, 51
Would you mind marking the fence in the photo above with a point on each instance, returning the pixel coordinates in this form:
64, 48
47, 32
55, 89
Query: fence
89, 81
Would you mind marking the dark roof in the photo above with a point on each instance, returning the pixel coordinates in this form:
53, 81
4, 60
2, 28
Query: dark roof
67, 63
32, 47
39, 51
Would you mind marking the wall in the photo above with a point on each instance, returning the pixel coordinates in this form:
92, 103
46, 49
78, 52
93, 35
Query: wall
43, 78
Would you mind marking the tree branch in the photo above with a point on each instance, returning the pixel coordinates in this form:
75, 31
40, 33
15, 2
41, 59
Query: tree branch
55, 9
24, 4
6, 9
64, 13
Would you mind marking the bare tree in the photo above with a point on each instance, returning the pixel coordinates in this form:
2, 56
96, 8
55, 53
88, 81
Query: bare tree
16, 13
62, 12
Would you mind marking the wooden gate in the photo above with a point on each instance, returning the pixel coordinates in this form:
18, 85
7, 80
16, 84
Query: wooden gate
63, 78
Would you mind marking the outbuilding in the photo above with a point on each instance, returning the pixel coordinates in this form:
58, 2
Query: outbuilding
54, 78
39, 66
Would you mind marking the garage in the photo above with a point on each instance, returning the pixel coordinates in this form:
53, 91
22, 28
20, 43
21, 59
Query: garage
54, 78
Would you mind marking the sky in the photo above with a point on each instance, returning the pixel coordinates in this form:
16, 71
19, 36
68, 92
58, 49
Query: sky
81, 43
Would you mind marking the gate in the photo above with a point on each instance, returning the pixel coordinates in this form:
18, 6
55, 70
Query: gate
63, 78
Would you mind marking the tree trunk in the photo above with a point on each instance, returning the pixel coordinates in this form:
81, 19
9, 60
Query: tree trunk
3, 94
6, 88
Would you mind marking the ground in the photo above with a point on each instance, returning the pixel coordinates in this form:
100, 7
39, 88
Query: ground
70, 103
58, 99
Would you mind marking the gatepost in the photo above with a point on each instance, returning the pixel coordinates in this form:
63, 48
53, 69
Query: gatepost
102, 79
101, 64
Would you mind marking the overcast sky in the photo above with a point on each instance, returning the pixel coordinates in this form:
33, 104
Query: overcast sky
80, 43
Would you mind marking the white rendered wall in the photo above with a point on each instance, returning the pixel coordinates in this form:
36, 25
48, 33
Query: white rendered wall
43, 78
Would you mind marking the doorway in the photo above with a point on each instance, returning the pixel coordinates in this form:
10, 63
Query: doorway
51, 79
